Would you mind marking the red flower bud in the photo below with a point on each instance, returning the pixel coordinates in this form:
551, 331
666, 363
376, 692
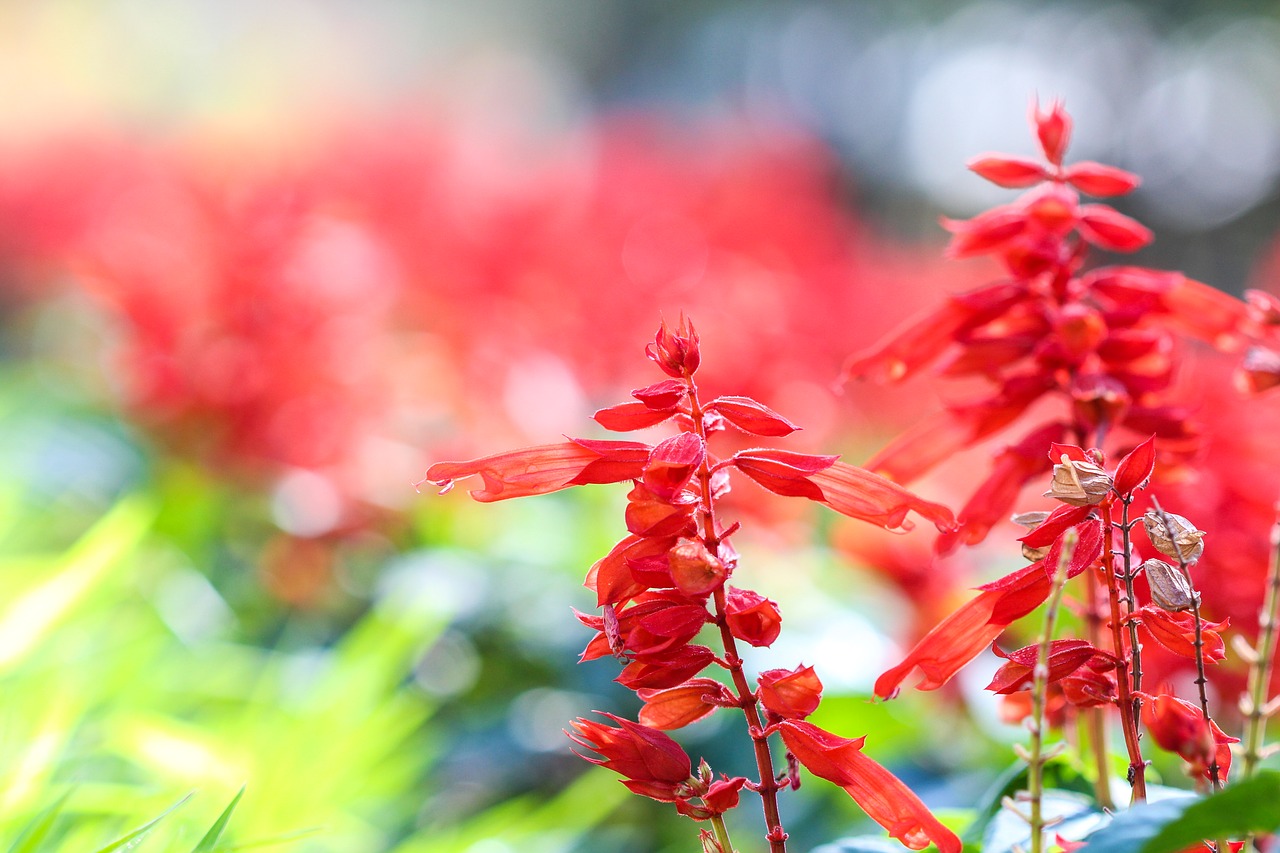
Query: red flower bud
694, 569
791, 694
677, 707
635, 752
1053, 129
752, 417
1109, 229
675, 351
1180, 727
752, 618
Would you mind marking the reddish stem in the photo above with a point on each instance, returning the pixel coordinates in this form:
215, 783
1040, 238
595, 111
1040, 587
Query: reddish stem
1128, 722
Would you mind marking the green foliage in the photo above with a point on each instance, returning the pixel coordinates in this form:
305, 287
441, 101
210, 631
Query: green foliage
1175, 824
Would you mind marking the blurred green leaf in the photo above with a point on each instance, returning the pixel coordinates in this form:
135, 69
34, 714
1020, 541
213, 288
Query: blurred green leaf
128, 842
35, 834
1245, 808
219, 826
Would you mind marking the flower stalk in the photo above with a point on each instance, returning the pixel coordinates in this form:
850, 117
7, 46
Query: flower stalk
1255, 704
1137, 775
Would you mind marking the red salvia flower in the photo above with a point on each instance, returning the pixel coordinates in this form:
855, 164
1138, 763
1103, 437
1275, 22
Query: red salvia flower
883, 796
549, 468
677, 707
790, 694
1177, 632
1065, 657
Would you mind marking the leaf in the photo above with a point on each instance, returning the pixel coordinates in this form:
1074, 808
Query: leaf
35, 833
128, 842
215, 832
1245, 808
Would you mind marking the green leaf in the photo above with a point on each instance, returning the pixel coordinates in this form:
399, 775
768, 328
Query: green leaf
38, 830
215, 832
1246, 808
128, 842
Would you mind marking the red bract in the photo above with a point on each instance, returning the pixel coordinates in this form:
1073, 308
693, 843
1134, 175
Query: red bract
751, 617
1177, 633
1065, 657
883, 796
677, 707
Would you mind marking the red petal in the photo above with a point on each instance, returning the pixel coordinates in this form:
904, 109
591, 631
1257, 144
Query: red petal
1206, 313
883, 796
1006, 171
1048, 531
625, 417
791, 694
985, 232
752, 417
1097, 179
542, 469
662, 396
782, 471
1109, 229
669, 670
858, 493
951, 644
1135, 468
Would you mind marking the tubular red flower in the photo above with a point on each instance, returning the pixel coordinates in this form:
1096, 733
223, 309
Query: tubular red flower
1065, 657
883, 796
1177, 632
546, 468
964, 634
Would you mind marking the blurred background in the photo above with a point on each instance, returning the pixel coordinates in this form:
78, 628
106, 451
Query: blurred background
261, 263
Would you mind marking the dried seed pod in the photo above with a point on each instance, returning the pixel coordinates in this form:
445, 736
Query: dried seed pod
1170, 589
1031, 520
1079, 483
1179, 537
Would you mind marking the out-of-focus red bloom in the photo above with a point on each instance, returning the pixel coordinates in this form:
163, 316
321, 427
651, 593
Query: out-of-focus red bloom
964, 634
1101, 342
549, 468
1179, 727
790, 694
650, 762
883, 796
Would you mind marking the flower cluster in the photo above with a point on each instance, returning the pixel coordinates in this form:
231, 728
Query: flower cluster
669, 579
1100, 340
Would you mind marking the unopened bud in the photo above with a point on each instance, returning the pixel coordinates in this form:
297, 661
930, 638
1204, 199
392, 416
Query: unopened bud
1170, 589
1176, 537
694, 569
1079, 483
1032, 520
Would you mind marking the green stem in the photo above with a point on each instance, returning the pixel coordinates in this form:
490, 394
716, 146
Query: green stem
1263, 659
722, 833
1039, 687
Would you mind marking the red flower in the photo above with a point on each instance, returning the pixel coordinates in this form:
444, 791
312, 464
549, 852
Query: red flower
1065, 657
963, 635
650, 762
883, 796
1180, 727
543, 469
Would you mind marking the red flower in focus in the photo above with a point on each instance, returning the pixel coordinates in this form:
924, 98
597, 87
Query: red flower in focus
1065, 657
677, 707
752, 618
1179, 727
1177, 632
883, 796
650, 762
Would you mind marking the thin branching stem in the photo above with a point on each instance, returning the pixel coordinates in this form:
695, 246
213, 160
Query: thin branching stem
1039, 689
1130, 602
